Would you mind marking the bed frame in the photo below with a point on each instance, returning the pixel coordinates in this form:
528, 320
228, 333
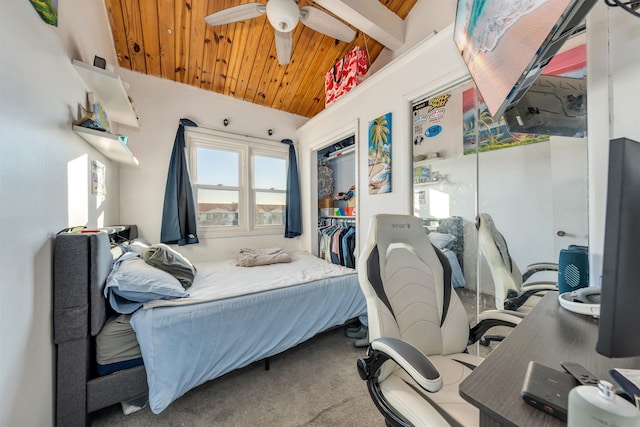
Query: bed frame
81, 264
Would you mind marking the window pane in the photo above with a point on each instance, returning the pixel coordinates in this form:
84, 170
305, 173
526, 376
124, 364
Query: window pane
217, 208
270, 208
270, 173
218, 167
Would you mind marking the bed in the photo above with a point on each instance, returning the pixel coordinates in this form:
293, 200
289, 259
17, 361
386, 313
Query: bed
186, 341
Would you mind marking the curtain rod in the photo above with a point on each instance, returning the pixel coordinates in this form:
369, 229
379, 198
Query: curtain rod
240, 134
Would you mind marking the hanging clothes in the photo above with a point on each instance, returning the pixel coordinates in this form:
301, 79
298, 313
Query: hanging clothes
337, 241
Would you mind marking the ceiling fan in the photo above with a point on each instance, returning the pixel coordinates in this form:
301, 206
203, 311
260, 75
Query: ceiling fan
284, 16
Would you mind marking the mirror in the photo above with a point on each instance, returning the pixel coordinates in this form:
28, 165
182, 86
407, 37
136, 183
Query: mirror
445, 186
533, 186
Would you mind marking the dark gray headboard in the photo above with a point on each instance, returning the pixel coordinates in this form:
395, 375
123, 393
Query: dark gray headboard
81, 264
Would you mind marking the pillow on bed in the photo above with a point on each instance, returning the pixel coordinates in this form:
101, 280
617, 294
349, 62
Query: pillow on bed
137, 245
166, 259
441, 240
133, 282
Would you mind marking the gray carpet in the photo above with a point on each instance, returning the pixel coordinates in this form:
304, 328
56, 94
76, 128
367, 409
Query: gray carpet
313, 384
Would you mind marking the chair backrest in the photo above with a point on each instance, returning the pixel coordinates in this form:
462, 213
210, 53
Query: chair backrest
407, 285
504, 271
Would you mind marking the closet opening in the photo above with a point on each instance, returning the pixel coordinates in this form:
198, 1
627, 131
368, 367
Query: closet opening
336, 202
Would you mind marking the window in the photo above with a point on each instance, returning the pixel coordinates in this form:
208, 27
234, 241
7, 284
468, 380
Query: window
269, 189
239, 183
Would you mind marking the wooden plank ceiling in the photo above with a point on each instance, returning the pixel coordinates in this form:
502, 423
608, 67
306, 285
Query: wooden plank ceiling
170, 39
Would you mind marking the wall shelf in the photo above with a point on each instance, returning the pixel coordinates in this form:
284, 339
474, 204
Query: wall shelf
427, 161
109, 144
109, 90
424, 184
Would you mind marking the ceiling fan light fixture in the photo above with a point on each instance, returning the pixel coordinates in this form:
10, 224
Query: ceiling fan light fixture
283, 14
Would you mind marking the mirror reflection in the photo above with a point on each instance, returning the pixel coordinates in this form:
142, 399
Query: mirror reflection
524, 177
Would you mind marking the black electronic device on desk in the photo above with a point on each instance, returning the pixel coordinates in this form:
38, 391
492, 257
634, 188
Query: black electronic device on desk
547, 389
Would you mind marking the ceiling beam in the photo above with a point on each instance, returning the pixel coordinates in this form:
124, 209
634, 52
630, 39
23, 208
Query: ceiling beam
370, 17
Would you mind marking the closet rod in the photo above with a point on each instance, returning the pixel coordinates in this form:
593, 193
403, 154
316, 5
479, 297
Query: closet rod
339, 153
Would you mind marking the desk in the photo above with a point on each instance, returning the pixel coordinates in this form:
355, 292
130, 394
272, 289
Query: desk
550, 335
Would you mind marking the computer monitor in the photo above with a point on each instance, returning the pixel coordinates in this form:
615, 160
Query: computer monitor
506, 44
620, 298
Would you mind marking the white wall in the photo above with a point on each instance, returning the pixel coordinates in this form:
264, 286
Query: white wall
389, 90
161, 104
426, 17
44, 186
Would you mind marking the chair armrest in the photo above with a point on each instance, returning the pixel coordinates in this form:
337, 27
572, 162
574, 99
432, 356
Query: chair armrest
491, 318
509, 316
540, 286
533, 289
538, 266
541, 276
409, 358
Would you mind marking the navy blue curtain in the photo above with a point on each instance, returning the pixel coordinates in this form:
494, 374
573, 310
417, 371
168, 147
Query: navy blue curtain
179, 212
293, 217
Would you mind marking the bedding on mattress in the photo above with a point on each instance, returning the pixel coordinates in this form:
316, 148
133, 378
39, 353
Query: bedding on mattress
457, 277
224, 279
235, 316
116, 346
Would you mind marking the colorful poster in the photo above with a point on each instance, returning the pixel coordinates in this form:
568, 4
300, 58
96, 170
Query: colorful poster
427, 116
380, 155
48, 10
492, 135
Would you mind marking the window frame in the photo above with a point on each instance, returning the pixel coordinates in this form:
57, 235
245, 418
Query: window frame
248, 147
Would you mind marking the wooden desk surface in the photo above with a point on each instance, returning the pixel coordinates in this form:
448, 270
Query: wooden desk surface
549, 335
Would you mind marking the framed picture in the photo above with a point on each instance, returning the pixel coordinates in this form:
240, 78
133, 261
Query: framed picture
380, 155
98, 184
421, 174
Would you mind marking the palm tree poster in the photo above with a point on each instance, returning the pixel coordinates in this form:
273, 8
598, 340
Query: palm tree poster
491, 134
48, 10
380, 155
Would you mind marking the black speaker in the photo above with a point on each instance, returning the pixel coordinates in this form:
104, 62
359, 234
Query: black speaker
99, 62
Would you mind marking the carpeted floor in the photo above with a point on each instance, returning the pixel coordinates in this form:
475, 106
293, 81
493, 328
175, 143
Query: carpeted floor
313, 384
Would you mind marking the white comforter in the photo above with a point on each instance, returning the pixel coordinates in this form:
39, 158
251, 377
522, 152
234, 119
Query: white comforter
223, 279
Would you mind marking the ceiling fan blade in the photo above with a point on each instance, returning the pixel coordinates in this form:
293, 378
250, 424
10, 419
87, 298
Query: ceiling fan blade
283, 47
236, 13
322, 22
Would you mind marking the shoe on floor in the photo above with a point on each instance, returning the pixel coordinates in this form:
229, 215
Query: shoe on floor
359, 334
363, 342
352, 330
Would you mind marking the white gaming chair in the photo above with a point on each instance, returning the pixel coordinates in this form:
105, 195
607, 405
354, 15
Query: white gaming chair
417, 321
513, 290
